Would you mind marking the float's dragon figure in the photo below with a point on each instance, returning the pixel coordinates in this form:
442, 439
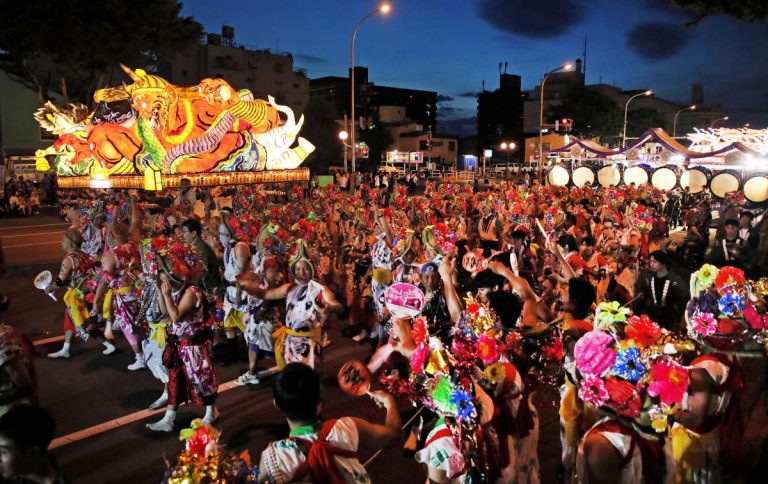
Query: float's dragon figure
209, 127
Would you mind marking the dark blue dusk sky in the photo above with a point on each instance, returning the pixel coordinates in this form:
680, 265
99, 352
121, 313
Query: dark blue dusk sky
451, 46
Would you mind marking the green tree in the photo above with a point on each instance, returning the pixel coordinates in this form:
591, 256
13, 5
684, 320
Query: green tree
75, 45
643, 119
743, 10
378, 138
322, 130
593, 114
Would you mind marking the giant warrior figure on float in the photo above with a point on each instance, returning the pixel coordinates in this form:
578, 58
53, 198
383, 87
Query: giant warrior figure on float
151, 123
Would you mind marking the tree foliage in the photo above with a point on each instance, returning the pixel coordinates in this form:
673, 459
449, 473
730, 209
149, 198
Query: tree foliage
743, 10
79, 43
593, 114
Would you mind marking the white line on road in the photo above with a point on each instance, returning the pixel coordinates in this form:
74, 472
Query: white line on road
31, 226
30, 235
31, 245
118, 422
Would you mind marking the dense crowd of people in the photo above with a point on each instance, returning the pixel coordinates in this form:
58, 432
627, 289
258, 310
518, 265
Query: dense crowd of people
520, 286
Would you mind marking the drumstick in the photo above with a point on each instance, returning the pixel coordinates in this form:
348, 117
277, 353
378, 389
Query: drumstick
401, 428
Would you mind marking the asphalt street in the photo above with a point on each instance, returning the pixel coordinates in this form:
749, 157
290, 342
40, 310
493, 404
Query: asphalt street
99, 405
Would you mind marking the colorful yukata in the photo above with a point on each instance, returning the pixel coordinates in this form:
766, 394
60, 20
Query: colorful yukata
441, 451
187, 355
643, 459
286, 460
381, 261
259, 324
154, 345
234, 314
93, 241
125, 299
299, 340
76, 312
699, 453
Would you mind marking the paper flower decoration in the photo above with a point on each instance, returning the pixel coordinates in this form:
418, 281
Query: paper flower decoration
487, 349
704, 323
419, 359
465, 408
628, 364
419, 333
609, 313
728, 278
669, 381
707, 274
623, 398
441, 394
594, 353
730, 303
592, 391
642, 330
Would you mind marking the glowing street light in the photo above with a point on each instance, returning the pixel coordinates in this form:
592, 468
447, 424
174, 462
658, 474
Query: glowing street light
383, 9
724, 118
626, 107
674, 124
343, 135
564, 67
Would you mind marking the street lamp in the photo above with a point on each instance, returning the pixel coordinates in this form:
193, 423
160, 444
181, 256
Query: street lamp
565, 67
674, 124
343, 135
383, 8
724, 118
626, 107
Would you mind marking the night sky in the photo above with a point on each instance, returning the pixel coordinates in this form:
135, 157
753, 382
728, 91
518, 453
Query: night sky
452, 46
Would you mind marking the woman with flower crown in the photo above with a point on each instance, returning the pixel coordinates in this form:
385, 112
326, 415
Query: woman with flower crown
299, 340
187, 354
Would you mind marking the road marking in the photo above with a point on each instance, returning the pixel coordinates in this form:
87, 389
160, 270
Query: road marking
142, 414
119, 422
31, 245
31, 226
48, 340
30, 235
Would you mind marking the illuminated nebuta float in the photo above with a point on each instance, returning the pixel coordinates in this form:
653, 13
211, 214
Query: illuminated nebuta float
152, 133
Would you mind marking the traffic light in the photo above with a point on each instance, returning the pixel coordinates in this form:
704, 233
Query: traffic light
566, 123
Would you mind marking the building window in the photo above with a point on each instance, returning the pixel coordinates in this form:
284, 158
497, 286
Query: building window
278, 83
295, 85
184, 73
451, 146
279, 68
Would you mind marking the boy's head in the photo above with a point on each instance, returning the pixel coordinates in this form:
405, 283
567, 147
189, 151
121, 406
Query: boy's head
297, 392
25, 433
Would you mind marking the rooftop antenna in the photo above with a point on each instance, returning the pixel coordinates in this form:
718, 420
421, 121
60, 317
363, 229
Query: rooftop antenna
505, 66
584, 57
483, 85
499, 67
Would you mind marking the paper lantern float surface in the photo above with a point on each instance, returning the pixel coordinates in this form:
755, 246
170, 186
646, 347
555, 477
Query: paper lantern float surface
208, 128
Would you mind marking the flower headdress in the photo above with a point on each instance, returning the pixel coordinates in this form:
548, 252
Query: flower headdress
439, 238
174, 257
205, 460
403, 242
726, 311
627, 368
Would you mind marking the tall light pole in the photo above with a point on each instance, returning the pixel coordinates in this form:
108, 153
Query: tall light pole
343, 135
674, 123
724, 118
626, 107
383, 8
565, 67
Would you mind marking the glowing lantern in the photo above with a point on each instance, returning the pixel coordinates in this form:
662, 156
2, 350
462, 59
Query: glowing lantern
153, 180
